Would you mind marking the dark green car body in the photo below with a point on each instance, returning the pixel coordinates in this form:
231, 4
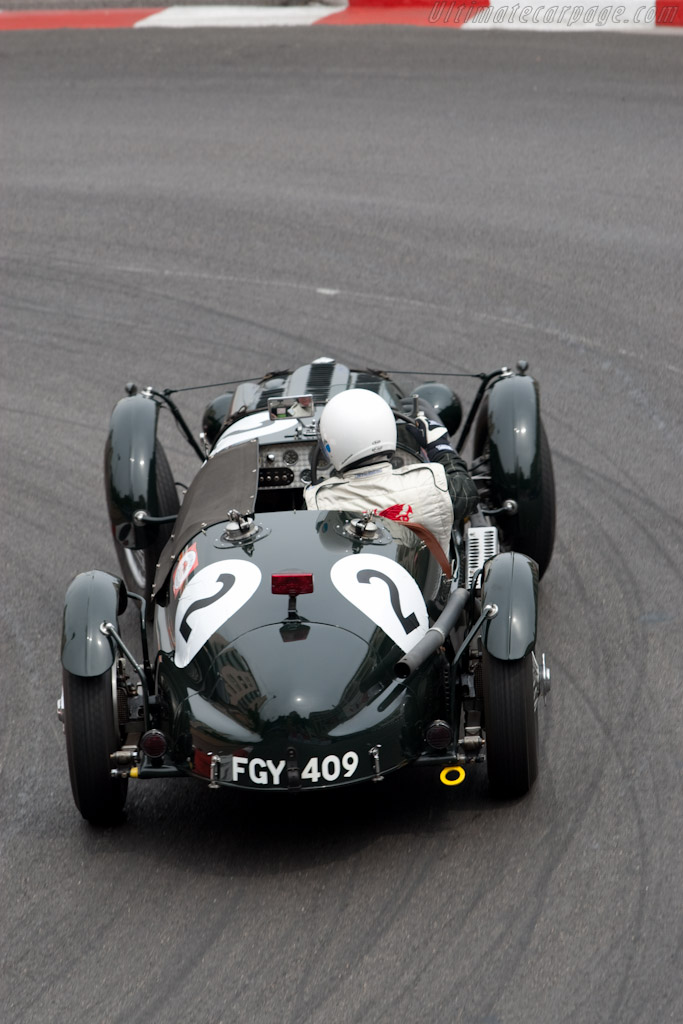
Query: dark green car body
289, 685
273, 636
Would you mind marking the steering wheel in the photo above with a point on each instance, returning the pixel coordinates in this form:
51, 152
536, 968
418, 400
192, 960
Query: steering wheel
316, 456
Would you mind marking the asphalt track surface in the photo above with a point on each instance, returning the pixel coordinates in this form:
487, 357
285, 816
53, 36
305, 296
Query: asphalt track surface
171, 205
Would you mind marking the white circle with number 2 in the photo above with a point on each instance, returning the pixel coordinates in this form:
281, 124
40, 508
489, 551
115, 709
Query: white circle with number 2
210, 598
385, 592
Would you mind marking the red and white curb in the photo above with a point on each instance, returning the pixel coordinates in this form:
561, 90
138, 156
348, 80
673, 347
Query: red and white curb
549, 16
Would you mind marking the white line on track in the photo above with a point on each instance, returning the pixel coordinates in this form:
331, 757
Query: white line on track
237, 17
518, 323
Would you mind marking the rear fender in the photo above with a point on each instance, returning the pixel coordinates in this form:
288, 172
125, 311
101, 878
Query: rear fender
91, 599
130, 469
510, 583
514, 437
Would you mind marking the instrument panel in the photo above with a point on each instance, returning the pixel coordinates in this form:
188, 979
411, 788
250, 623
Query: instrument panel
289, 464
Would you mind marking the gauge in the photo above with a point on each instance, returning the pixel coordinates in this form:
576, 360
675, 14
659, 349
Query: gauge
290, 457
306, 476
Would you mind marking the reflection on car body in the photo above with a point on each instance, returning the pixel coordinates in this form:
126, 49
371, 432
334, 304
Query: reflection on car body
287, 649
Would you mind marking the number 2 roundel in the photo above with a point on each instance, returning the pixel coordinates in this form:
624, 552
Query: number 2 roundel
386, 593
210, 598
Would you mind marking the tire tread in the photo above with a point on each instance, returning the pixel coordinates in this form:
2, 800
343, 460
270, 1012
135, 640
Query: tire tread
90, 739
511, 725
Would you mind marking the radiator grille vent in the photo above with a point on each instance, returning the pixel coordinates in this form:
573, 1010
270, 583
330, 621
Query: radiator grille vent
369, 381
319, 380
482, 544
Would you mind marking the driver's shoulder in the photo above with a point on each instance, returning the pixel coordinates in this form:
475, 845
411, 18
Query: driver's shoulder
423, 472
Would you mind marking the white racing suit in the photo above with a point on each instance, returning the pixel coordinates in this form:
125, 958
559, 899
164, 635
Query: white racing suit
417, 493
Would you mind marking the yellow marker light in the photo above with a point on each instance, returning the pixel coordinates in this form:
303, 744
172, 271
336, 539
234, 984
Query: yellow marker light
446, 775
133, 773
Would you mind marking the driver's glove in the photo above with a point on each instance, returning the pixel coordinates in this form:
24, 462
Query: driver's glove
430, 435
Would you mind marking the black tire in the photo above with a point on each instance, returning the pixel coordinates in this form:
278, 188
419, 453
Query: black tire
138, 566
511, 724
92, 735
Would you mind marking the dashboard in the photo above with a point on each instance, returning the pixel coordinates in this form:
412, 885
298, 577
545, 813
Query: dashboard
288, 464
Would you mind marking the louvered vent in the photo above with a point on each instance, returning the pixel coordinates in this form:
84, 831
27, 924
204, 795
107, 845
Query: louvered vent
481, 544
368, 381
319, 380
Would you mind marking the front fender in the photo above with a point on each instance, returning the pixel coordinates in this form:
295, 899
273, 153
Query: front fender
514, 430
91, 599
130, 468
511, 583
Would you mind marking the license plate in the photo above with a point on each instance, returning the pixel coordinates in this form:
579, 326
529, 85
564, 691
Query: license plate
261, 771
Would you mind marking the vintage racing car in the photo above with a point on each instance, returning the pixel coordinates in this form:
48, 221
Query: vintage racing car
285, 649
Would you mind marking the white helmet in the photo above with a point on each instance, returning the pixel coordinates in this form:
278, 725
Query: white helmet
356, 425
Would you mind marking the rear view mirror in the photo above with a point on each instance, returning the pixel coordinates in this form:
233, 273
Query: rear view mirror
291, 407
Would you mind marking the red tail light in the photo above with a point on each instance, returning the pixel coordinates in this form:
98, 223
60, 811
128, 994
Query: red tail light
439, 734
292, 583
153, 744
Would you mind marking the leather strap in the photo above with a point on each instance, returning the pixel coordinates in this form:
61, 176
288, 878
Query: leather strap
428, 538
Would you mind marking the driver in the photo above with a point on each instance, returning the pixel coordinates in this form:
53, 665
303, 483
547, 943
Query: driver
358, 436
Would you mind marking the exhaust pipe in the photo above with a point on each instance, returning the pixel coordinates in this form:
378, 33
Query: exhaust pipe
435, 635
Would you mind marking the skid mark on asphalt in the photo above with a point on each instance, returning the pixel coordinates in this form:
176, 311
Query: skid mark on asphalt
327, 291
626, 719
180, 317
